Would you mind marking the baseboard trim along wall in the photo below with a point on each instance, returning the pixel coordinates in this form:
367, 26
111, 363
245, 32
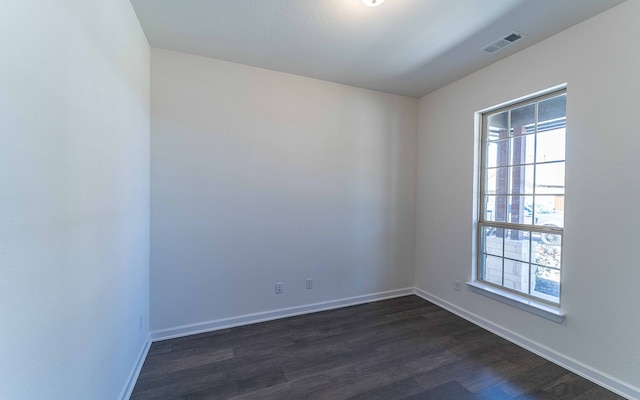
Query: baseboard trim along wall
247, 319
622, 388
125, 394
615, 385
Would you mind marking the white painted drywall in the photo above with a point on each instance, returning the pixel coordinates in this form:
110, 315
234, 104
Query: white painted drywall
260, 177
600, 61
74, 198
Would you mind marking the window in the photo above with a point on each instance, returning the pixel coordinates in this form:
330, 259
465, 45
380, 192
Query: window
521, 220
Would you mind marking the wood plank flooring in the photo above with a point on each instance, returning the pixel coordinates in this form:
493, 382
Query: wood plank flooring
404, 348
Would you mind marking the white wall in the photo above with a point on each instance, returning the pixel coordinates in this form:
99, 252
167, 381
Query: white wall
600, 63
259, 176
74, 198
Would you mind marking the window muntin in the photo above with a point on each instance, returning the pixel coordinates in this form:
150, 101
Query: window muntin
522, 197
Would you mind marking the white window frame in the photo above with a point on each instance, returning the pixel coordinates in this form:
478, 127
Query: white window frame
538, 305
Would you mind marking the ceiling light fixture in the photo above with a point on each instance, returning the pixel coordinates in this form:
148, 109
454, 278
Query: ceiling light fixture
372, 3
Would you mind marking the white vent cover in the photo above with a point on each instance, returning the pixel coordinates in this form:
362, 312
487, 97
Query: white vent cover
502, 42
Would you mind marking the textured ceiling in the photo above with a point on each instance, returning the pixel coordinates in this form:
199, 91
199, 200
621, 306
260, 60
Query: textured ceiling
408, 47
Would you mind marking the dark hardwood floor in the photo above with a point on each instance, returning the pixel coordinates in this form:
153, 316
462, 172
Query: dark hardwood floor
403, 348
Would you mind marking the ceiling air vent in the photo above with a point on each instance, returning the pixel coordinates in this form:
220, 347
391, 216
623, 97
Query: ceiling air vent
502, 42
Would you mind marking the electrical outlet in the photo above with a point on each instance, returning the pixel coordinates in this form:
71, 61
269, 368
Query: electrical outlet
309, 283
457, 285
279, 288
140, 321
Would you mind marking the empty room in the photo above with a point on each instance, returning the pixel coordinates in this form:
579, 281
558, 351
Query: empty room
319, 199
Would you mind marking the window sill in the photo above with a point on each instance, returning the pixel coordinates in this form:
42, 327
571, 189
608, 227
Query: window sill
540, 309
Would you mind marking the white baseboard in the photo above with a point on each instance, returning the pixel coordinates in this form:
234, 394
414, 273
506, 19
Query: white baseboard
247, 319
615, 385
125, 394
605, 380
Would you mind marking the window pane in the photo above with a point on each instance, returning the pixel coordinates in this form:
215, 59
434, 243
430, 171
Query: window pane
545, 283
516, 276
516, 245
492, 271
523, 119
522, 149
550, 178
552, 113
521, 180
547, 251
520, 209
492, 242
497, 153
497, 126
550, 145
495, 208
546, 211
496, 180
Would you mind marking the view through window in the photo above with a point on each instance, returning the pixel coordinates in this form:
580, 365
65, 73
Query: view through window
522, 197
